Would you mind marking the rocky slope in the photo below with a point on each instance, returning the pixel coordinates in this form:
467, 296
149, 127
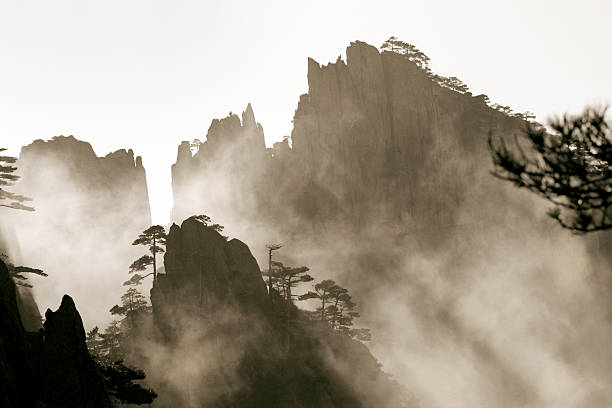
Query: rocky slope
50, 368
88, 210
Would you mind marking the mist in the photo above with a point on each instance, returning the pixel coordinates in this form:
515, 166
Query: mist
475, 297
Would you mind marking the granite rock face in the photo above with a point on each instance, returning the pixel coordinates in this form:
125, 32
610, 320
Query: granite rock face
50, 368
382, 139
206, 276
375, 138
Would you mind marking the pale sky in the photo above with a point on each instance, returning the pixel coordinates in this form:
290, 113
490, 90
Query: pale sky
148, 74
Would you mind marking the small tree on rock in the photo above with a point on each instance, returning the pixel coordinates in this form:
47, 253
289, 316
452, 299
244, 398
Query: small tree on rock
506, 110
207, 221
453, 83
411, 52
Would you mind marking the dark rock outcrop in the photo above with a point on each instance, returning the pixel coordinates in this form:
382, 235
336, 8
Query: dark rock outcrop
68, 374
212, 307
206, 276
50, 368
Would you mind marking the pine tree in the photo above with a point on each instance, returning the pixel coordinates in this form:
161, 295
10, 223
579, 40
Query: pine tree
271, 248
411, 52
337, 309
571, 167
322, 291
155, 238
16, 272
7, 179
133, 303
287, 277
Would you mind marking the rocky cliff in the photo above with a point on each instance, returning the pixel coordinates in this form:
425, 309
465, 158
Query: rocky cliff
226, 344
50, 368
88, 209
374, 139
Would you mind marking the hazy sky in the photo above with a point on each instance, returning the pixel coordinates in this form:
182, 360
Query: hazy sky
148, 74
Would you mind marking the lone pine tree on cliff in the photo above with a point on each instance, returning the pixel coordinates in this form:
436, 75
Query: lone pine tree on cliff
155, 238
8, 178
571, 167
